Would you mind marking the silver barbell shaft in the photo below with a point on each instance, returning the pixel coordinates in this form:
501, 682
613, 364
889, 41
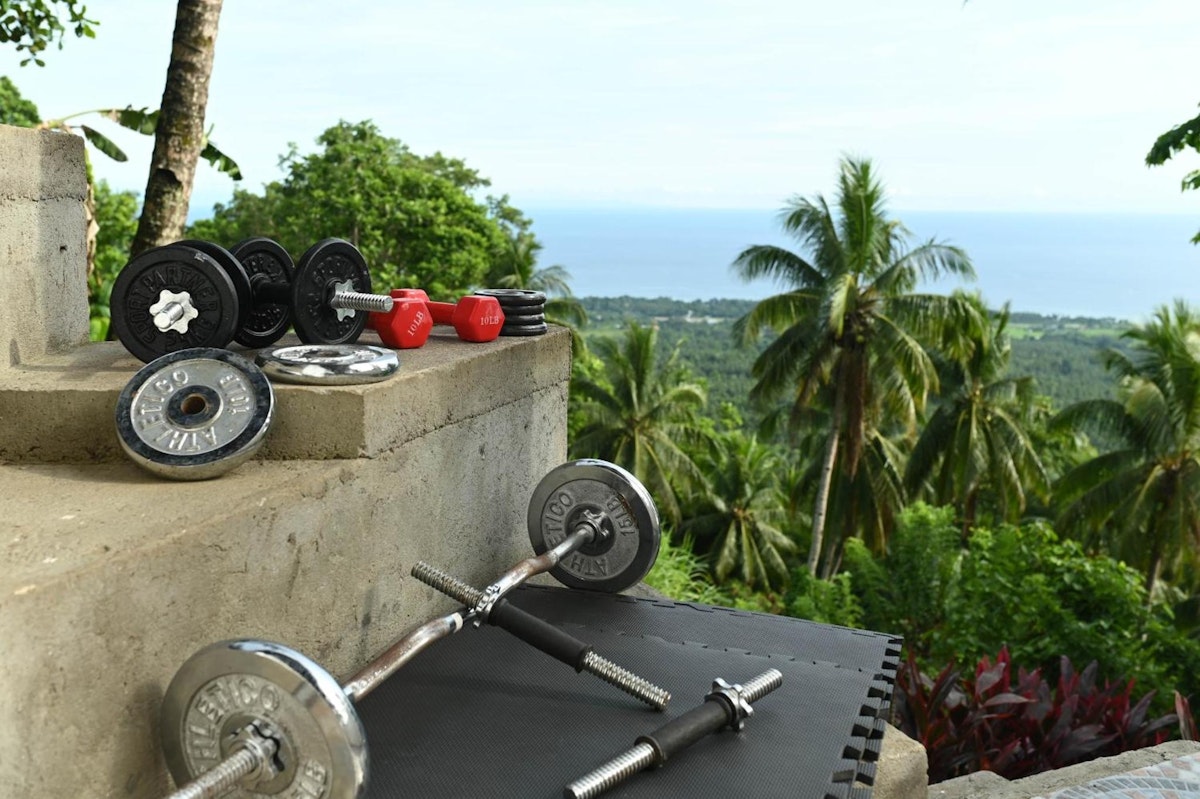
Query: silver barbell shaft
229, 773
582, 535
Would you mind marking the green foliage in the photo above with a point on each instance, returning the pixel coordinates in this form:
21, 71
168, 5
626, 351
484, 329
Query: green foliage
682, 575
1022, 588
15, 109
1141, 500
116, 218
641, 412
831, 601
974, 449
413, 217
741, 511
1184, 136
906, 590
33, 25
1062, 355
850, 331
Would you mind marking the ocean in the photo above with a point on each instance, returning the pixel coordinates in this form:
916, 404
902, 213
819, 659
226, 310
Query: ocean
1099, 265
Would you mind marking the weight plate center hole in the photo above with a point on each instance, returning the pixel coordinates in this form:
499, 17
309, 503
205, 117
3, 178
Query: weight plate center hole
193, 406
607, 535
284, 761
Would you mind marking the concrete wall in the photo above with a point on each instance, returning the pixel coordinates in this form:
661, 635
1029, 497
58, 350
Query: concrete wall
43, 267
111, 578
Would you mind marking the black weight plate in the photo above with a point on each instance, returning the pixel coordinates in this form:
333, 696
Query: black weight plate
514, 298
177, 269
326, 265
265, 261
524, 319
524, 330
232, 267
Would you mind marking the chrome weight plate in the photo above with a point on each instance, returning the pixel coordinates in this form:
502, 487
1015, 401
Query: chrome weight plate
628, 517
329, 364
194, 414
227, 685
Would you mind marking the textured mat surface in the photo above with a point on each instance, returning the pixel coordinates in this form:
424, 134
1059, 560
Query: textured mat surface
481, 714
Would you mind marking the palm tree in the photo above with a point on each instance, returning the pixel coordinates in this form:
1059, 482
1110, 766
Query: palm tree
977, 439
639, 413
850, 322
744, 509
1142, 499
516, 268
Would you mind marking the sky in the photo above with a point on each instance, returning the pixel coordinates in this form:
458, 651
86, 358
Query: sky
989, 105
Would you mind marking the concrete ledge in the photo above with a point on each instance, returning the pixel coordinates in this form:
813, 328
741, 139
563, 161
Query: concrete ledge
111, 578
59, 409
986, 785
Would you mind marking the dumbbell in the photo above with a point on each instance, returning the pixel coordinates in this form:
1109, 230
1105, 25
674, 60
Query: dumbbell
198, 294
474, 317
330, 286
255, 711
724, 706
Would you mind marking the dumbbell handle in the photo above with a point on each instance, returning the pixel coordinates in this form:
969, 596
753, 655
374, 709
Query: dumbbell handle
725, 706
358, 301
545, 636
279, 293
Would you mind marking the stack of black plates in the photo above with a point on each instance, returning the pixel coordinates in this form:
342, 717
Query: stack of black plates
524, 311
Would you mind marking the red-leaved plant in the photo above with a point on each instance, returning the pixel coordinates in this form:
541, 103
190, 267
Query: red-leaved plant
1016, 725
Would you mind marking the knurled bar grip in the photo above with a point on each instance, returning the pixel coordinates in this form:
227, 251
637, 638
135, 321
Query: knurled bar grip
725, 706
543, 635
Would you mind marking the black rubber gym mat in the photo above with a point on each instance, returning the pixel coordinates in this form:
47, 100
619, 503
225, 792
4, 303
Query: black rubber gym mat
481, 714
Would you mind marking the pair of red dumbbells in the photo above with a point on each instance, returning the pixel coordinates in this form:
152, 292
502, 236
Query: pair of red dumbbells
412, 317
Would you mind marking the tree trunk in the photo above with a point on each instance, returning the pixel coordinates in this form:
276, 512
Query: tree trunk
822, 505
179, 136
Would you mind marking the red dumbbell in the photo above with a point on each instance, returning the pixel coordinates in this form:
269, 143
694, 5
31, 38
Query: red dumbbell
406, 326
474, 318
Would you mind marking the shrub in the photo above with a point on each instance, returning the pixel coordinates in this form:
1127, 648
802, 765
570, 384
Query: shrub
1016, 725
1023, 589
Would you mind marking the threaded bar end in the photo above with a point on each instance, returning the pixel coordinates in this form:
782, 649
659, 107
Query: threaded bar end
614, 772
626, 680
763, 684
221, 778
357, 301
448, 584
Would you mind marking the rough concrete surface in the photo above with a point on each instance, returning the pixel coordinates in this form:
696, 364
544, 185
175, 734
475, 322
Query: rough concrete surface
111, 578
43, 264
60, 408
901, 772
986, 785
